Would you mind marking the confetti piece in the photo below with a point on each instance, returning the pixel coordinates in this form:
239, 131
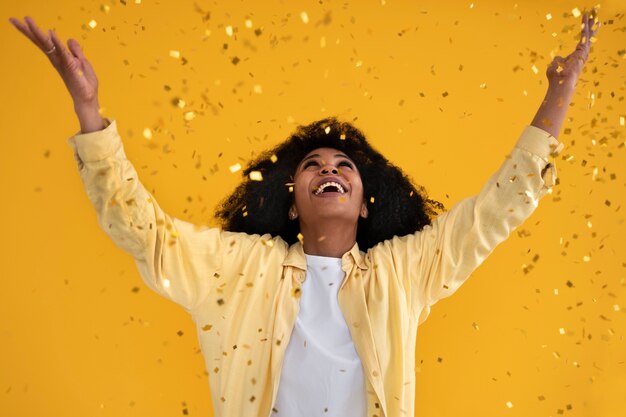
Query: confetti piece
234, 168
535, 69
273, 158
256, 176
561, 330
509, 404
359, 63
327, 129
305, 17
248, 23
258, 89
92, 24
166, 282
372, 199
175, 54
549, 16
105, 8
575, 12
206, 327
471, 6
323, 42
342, 136
189, 115
301, 238
622, 120
475, 326
147, 133
229, 30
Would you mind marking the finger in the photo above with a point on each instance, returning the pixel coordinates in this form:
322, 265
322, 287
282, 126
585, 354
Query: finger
43, 40
25, 30
61, 52
76, 50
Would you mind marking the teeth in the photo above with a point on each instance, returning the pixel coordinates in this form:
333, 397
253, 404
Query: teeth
321, 188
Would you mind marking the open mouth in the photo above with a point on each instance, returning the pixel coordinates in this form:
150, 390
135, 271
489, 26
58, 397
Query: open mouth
329, 187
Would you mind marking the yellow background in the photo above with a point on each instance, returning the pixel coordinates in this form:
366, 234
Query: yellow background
81, 335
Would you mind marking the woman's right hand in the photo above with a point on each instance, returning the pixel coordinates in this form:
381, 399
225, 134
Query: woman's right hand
76, 72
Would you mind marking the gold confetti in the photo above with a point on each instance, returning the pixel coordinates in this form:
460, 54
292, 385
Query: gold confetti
509, 404
229, 30
535, 69
93, 24
258, 89
189, 116
166, 282
248, 23
305, 17
301, 238
622, 120
256, 176
323, 42
342, 136
175, 54
561, 330
147, 133
105, 8
575, 12
206, 327
273, 158
234, 168
372, 199
475, 326
359, 63
549, 16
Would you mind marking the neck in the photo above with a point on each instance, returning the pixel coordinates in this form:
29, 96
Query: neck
331, 238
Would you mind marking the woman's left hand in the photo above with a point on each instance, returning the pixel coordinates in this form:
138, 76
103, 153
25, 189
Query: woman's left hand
567, 70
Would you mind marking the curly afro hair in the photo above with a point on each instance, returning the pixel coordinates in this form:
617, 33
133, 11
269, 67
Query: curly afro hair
396, 207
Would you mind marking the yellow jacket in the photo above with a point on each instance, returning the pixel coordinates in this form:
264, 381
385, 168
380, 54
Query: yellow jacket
242, 290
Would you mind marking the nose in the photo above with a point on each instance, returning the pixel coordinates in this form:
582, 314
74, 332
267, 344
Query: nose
325, 170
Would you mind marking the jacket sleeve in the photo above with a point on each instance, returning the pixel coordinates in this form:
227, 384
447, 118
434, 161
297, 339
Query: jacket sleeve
440, 257
176, 259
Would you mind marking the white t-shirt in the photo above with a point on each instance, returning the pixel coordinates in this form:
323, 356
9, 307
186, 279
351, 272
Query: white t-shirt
322, 374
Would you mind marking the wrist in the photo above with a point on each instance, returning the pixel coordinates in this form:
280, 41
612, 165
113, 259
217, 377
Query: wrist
89, 117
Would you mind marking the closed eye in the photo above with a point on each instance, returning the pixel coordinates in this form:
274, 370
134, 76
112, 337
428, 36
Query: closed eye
309, 163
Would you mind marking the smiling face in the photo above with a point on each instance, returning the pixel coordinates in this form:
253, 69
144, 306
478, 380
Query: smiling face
327, 186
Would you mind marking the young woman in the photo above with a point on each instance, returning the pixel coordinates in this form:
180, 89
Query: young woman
307, 301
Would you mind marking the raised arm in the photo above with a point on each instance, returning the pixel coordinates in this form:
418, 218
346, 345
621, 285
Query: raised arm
562, 74
435, 262
176, 259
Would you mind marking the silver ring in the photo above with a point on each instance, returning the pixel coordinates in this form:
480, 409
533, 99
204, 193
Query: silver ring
54, 48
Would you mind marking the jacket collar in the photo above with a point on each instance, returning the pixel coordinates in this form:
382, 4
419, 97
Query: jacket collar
296, 257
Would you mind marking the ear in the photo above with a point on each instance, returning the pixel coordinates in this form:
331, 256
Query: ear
364, 212
293, 213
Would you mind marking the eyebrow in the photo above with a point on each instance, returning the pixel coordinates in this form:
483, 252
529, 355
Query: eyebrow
317, 155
